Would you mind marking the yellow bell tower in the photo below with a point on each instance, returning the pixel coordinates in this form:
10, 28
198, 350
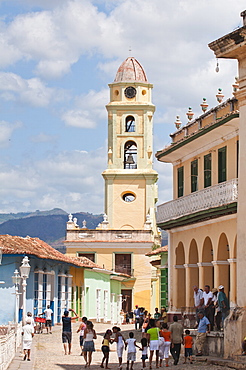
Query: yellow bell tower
130, 181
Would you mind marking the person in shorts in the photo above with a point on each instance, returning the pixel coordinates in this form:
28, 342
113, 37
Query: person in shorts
131, 345
48, 318
67, 330
153, 341
188, 342
105, 348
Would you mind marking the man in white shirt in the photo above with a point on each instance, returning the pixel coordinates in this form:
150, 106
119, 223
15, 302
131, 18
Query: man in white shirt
207, 302
48, 317
198, 295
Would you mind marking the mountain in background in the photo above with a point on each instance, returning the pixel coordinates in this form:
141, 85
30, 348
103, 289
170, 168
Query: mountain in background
49, 226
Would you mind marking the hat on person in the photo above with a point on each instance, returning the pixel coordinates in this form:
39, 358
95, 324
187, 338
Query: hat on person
221, 287
28, 321
214, 290
66, 313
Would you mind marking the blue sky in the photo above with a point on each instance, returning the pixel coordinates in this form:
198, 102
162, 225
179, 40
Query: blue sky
57, 58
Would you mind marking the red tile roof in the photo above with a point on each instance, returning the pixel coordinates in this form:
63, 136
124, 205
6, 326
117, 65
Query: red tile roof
157, 251
37, 247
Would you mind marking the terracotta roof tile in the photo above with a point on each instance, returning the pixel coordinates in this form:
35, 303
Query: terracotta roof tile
37, 247
157, 251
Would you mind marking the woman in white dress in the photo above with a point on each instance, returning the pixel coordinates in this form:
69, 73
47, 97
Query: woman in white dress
27, 335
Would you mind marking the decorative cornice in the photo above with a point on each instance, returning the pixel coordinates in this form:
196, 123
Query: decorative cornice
220, 263
232, 260
179, 266
186, 265
204, 264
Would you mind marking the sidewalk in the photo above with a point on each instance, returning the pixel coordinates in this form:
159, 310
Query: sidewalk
47, 353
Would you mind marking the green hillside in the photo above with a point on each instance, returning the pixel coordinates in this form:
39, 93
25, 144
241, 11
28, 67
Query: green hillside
49, 226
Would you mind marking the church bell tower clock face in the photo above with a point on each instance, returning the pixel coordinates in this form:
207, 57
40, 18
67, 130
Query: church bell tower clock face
130, 92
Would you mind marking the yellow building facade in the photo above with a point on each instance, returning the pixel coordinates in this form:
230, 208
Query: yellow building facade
128, 231
202, 219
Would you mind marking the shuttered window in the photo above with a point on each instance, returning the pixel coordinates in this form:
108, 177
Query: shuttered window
207, 170
222, 164
180, 181
194, 175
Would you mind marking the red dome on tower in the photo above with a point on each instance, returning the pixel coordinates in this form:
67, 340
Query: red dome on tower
131, 71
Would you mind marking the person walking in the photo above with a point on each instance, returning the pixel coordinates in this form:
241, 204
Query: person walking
81, 331
131, 345
67, 330
153, 341
203, 328
166, 334
105, 348
27, 335
120, 340
89, 347
144, 350
177, 339
136, 313
188, 342
48, 318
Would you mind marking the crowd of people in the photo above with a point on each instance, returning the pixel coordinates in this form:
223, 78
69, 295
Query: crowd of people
157, 338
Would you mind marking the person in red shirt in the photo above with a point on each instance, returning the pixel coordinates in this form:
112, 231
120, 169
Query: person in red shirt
166, 334
188, 342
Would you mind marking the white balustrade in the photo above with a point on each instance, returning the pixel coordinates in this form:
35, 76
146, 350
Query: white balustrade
10, 340
211, 197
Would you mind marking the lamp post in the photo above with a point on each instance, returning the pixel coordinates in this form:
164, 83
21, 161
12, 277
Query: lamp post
1, 256
16, 278
24, 271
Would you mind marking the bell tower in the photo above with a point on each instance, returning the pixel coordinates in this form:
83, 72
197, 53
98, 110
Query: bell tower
130, 181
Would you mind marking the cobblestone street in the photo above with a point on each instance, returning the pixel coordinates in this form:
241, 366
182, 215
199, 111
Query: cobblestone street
47, 353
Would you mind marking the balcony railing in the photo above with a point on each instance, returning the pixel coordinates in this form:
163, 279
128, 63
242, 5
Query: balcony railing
211, 197
124, 269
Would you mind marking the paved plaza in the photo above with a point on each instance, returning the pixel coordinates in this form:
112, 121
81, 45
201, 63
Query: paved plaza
47, 353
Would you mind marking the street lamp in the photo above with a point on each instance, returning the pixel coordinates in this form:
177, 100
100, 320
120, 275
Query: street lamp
16, 278
1, 256
24, 271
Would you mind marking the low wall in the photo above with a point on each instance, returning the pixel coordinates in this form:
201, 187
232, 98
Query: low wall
214, 344
10, 340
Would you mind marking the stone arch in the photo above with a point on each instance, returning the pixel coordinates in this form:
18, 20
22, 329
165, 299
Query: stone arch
180, 284
207, 269
192, 272
130, 155
222, 268
234, 250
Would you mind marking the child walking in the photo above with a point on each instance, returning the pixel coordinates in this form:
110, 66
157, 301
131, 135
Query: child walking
188, 342
131, 345
144, 350
119, 339
105, 348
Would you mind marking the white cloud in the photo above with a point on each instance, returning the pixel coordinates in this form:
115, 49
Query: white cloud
43, 138
78, 118
31, 91
70, 180
89, 109
6, 131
